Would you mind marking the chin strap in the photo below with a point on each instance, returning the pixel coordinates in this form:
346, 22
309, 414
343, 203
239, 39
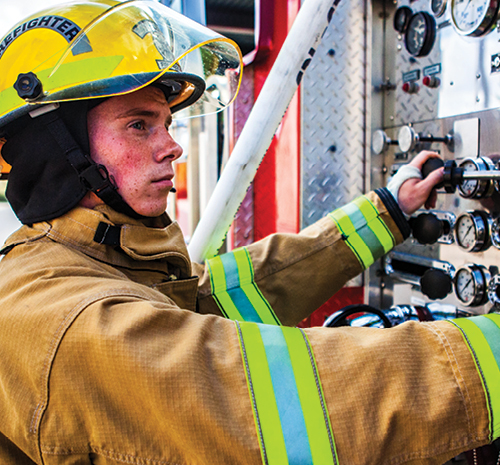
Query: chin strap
93, 176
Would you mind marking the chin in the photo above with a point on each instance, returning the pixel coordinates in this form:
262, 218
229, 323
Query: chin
151, 212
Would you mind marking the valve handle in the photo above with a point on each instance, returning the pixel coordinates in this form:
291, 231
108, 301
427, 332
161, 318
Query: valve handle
431, 165
427, 228
435, 284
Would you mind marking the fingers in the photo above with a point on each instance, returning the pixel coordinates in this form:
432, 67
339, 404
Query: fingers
422, 157
414, 193
434, 177
431, 200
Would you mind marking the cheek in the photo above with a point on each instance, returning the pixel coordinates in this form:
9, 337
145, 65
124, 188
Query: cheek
130, 173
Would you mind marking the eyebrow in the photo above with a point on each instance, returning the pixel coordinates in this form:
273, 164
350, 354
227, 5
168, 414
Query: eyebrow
142, 112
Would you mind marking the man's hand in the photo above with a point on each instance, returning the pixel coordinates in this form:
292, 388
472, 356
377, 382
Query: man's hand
417, 192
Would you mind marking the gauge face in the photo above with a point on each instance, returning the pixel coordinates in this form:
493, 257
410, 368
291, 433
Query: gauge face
473, 17
494, 291
469, 187
497, 183
466, 232
438, 7
465, 286
420, 34
495, 233
402, 18
475, 188
472, 231
471, 284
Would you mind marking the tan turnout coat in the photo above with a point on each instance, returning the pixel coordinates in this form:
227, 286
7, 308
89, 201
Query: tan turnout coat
113, 355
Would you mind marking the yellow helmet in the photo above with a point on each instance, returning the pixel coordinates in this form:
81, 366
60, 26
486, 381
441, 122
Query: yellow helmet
72, 56
104, 48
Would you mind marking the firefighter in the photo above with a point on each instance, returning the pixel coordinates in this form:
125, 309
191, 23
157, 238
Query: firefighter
115, 348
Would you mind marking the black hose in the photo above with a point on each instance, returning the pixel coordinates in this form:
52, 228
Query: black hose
339, 318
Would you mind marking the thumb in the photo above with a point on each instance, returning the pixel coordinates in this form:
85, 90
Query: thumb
434, 177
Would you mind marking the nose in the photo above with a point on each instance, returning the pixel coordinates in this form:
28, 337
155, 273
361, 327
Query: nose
167, 147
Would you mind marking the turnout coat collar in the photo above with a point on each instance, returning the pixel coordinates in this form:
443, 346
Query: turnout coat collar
158, 241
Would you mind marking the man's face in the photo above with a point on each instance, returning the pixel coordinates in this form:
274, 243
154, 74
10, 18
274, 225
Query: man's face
129, 135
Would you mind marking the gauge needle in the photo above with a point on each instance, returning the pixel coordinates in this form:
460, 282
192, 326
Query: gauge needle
468, 230
467, 284
465, 9
420, 28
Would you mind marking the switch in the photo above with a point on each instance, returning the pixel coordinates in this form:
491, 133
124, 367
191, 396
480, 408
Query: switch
431, 81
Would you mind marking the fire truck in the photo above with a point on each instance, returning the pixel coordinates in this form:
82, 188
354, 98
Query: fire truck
387, 80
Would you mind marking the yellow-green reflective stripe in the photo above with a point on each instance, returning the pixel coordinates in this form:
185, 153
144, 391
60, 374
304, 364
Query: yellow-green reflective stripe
218, 285
280, 367
352, 239
373, 219
86, 70
234, 289
262, 393
251, 290
90, 69
311, 397
483, 336
364, 232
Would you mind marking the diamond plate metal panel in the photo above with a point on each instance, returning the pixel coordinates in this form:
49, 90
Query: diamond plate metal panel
334, 112
334, 116
243, 223
423, 105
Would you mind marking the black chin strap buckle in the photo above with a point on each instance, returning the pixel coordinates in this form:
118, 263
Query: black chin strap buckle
96, 178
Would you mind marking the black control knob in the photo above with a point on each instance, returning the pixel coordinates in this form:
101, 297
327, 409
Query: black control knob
28, 86
436, 284
427, 228
430, 165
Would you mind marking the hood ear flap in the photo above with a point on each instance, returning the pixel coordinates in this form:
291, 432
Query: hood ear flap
46, 177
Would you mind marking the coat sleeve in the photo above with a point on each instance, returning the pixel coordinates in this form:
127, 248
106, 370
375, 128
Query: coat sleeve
142, 382
285, 277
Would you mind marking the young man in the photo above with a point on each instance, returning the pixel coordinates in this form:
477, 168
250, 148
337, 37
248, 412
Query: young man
115, 348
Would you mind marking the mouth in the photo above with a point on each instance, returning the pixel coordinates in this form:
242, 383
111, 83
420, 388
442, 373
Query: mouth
164, 182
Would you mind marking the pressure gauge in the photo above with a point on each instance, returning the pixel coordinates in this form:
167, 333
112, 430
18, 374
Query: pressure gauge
420, 34
471, 284
496, 183
472, 231
438, 7
473, 17
495, 233
402, 18
494, 291
476, 188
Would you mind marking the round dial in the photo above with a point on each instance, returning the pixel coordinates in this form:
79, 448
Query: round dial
380, 141
473, 17
476, 188
494, 290
471, 284
402, 18
420, 34
471, 231
495, 233
407, 139
496, 183
438, 7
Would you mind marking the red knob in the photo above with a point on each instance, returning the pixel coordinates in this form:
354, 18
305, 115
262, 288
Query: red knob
410, 87
431, 81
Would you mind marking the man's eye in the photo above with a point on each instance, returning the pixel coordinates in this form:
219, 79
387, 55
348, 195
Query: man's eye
137, 125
